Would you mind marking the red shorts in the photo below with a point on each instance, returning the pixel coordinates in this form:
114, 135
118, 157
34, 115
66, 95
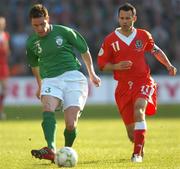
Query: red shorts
128, 91
4, 71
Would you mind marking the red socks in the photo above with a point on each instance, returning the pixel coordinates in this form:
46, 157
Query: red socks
139, 138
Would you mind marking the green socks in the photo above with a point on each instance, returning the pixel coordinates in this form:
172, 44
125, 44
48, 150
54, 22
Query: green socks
49, 128
69, 137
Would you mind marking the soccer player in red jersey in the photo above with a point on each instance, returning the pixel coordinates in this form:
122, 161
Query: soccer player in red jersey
123, 53
4, 70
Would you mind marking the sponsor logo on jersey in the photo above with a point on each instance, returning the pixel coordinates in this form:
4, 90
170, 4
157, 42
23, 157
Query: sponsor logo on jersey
59, 41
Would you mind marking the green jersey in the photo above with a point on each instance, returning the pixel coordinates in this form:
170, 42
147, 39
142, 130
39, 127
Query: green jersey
54, 53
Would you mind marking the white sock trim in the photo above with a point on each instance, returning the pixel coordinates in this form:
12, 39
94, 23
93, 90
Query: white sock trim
140, 125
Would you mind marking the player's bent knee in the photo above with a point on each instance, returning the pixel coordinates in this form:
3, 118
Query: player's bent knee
48, 108
70, 127
140, 105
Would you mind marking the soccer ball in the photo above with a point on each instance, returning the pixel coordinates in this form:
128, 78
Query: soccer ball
66, 157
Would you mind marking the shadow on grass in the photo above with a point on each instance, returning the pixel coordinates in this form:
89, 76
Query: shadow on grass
110, 161
82, 163
90, 112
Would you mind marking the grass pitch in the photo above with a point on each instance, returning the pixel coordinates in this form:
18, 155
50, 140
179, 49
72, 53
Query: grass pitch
101, 143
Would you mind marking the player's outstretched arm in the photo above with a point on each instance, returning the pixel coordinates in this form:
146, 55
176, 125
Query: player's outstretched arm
162, 58
90, 68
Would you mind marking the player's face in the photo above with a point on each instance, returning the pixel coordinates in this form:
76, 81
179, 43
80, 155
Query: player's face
126, 20
41, 25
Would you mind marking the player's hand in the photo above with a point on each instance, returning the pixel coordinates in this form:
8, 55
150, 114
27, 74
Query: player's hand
124, 65
172, 70
95, 80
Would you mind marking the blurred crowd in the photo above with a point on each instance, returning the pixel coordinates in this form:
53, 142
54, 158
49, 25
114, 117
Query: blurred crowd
94, 19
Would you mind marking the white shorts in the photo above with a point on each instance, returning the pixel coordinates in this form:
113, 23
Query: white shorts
71, 88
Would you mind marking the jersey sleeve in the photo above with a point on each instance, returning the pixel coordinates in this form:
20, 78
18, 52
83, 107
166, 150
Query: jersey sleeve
150, 42
76, 39
31, 57
104, 55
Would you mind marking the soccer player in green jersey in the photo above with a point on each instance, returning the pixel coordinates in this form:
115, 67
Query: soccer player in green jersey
56, 69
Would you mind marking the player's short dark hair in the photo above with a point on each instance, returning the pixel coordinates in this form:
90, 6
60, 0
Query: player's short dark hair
127, 7
38, 10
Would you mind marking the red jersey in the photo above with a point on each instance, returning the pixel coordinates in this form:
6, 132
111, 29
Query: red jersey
117, 47
4, 37
135, 82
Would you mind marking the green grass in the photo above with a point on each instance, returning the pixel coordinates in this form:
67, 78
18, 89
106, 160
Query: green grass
101, 143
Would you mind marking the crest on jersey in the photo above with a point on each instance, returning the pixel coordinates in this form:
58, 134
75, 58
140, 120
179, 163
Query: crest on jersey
139, 44
59, 41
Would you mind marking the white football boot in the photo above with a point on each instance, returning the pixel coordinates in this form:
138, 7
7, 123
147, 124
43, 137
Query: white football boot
136, 158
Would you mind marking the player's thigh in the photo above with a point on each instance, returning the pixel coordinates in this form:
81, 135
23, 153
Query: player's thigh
148, 91
50, 103
75, 94
51, 94
52, 87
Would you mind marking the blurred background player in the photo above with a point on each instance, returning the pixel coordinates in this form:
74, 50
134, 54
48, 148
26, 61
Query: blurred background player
4, 69
123, 52
56, 68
